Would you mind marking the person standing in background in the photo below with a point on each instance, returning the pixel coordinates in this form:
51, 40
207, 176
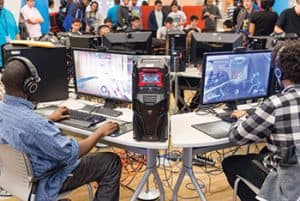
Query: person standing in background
124, 15
157, 17
112, 13
262, 22
43, 7
135, 9
75, 10
93, 18
33, 19
210, 14
178, 16
289, 20
8, 28
243, 18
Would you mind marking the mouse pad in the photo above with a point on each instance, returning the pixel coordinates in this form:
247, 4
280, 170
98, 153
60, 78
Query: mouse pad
216, 129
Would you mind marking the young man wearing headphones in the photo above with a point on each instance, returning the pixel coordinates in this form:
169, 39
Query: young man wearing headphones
46, 147
276, 171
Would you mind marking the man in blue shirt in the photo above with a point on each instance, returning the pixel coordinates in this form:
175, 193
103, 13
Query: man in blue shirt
47, 148
8, 28
112, 13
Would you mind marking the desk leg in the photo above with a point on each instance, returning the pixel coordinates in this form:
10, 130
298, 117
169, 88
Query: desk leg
187, 169
151, 169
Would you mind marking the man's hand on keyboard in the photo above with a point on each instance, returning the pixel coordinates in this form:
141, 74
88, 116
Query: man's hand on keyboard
238, 114
107, 128
59, 114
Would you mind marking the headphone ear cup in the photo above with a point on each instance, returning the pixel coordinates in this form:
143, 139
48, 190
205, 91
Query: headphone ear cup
30, 86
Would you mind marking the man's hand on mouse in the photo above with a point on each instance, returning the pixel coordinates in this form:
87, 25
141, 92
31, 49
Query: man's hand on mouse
238, 114
107, 128
59, 114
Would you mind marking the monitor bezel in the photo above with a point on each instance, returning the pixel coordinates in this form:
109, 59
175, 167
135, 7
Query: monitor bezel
231, 53
93, 95
147, 43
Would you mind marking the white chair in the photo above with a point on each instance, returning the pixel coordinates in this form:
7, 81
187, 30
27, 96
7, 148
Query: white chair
16, 175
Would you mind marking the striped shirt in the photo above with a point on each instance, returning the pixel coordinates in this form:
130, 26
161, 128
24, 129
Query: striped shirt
277, 120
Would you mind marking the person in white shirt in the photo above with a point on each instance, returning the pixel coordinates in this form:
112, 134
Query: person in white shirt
162, 32
178, 16
33, 19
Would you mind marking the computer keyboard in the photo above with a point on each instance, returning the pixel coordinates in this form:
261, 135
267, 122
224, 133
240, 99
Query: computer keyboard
83, 119
102, 110
226, 116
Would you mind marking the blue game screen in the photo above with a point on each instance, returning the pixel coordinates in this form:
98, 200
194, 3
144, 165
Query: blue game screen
104, 75
236, 76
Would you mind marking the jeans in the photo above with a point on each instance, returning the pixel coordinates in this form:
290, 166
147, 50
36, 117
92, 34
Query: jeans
102, 167
243, 166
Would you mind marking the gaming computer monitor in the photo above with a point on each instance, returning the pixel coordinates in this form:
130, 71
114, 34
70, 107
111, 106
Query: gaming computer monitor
234, 76
213, 42
135, 42
104, 75
85, 41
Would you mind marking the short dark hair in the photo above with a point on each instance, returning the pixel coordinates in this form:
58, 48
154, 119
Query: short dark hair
145, 3
267, 4
75, 21
157, 2
102, 26
117, 2
228, 23
288, 60
95, 2
169, 20
13, 77
194, 17
134, 18
106, 20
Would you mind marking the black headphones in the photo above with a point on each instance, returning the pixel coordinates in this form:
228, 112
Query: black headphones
30, 84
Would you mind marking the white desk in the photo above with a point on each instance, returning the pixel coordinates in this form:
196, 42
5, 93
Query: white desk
190, 72
127, 142
192, 141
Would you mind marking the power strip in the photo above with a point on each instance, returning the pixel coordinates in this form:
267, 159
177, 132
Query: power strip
203, 161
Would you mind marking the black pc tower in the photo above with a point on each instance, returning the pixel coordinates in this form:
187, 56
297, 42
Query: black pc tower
213, 42
150, 99
51, 66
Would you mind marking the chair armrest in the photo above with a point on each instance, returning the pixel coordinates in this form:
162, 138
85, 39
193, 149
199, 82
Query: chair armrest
261, 166
249, 184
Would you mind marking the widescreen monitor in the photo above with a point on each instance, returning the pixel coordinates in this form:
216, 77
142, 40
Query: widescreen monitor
104, 75
212, 42
134, 42
234, 76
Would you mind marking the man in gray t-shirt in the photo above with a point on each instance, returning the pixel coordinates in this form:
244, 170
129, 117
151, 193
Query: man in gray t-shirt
210, 14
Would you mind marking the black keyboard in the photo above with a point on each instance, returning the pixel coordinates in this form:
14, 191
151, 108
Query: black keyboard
82, 119
84, 116
228, 118
102, 110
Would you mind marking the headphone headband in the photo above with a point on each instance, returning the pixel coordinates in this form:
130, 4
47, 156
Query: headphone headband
30, 84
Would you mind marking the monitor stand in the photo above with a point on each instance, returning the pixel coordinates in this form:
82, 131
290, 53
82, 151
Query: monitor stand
107, 109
